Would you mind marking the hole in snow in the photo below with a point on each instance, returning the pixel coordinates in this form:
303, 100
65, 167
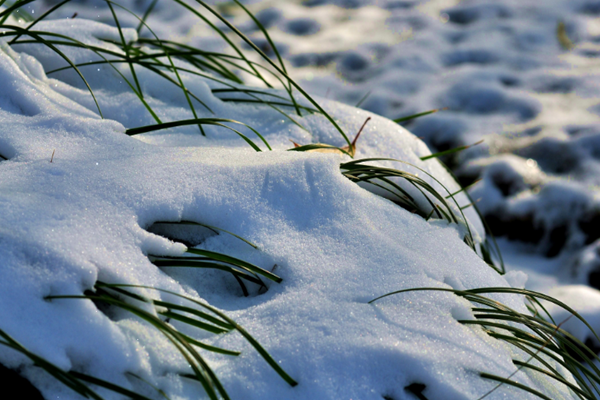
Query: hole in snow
226, 264
188, 233
417, 390
12, 382
302, 26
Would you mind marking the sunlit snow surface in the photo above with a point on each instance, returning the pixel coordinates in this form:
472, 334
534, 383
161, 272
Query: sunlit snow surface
83, 217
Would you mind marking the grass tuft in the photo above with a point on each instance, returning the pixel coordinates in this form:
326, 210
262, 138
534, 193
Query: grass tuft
542, 344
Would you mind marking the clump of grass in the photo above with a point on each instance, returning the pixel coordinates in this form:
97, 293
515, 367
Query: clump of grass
425, 200
211, 320
171, 60
541, 342
241, 270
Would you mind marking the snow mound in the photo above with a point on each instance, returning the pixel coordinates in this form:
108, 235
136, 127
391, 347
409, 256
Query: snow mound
78, 198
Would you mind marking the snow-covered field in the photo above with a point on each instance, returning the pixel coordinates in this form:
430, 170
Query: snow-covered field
212, 221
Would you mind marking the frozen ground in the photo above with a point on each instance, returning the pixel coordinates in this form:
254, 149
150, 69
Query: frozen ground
518, 74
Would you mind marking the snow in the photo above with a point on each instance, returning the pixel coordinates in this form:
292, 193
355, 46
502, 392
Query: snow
79, 198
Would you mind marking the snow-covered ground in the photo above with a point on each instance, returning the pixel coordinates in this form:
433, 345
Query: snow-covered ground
82, 201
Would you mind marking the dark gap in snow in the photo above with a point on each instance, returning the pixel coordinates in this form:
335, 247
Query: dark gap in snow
417, 390
222, 272
589, 224
581, 130
401, 4
531, 131
471, 14
557, 240
553, 155
12, 382
510, 81
302, 27
188, 234
472, 56
313, 59
102, 306
589, 53
590, 7
594, 279
520, 228
556, 85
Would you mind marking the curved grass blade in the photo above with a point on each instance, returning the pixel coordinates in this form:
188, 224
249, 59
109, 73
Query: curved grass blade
543, 337
422, 114
204, 121
174, 69
145, 16
451, 151
39, 39
108, 385
40, 18
237, 262
266, 356
165, 262
260, 26
515, 384
4, 14
277, 68
210, 348
65, 378
201, 370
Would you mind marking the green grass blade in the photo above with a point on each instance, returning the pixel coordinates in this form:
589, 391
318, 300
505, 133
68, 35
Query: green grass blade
196, 121
237, 262
513, 383
451, 151
422, 114
39, 39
